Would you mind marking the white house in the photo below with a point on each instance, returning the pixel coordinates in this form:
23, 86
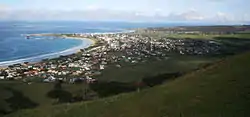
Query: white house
101, 67
1, 77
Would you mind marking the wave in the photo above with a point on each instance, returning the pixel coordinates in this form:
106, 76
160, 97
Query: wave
48, 56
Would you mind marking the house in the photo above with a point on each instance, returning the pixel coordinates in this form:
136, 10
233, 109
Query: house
76, 80
50, 79
2, 77
102, 67
90, 80
10, 76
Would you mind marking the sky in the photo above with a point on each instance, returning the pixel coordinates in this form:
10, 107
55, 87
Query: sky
127, 10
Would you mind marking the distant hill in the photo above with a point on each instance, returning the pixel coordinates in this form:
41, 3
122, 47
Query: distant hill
220, 90
218, 28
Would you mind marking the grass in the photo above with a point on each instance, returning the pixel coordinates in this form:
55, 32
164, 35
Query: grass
36, 93
241, 36
221, 90
25, 95
135, 72
199, 36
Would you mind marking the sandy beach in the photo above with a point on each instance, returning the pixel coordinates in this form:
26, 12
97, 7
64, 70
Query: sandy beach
66, 52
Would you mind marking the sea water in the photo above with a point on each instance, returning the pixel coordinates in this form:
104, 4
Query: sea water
16, 48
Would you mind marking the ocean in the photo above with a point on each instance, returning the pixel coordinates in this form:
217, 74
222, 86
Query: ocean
15, 48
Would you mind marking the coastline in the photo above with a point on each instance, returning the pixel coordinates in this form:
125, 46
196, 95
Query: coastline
37, 59
93, 42
67, 52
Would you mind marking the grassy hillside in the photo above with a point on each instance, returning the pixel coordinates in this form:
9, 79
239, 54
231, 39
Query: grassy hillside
16, 95
222, 90
136, 72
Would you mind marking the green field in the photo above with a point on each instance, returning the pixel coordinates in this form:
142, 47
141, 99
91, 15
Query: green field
221, 90
209, 36
135, 72
199, 36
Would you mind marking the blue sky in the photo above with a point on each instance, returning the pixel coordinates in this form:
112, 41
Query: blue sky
150, 10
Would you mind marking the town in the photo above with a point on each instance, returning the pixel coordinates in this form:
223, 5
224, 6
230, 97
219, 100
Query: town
109, 49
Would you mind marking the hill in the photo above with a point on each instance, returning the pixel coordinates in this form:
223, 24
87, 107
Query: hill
220, 90
17, 95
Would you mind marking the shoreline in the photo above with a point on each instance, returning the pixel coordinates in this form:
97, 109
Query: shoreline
67, 52
93, 42
38, 59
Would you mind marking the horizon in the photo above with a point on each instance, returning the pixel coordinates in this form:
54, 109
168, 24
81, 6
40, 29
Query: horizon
218, 11
150, 24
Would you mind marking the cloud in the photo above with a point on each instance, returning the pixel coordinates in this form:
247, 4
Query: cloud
187, 16
246, 17
217, 0
4, 9
93, 7
221, 17
88, 14
95, 13
224, 17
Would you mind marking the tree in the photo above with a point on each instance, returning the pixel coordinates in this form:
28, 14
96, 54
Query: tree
59, 94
